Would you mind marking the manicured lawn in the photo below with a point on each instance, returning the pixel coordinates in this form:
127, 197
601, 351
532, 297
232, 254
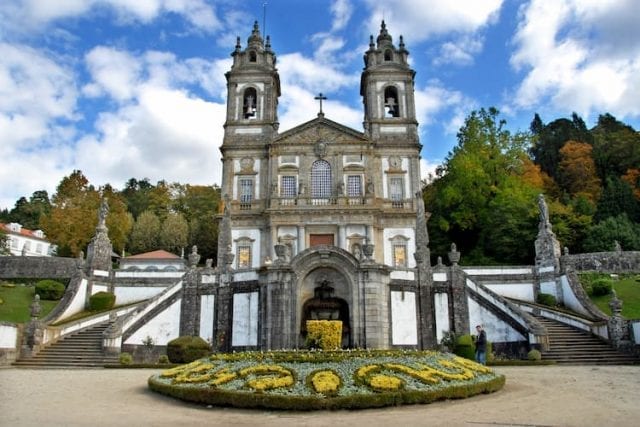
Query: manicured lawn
16, 302
627, 288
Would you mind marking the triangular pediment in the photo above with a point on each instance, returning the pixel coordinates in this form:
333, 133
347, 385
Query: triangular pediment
320, 129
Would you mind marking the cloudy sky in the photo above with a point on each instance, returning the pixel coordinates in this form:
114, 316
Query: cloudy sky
136, 88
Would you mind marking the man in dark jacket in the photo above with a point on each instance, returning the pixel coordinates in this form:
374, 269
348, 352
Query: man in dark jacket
481, 345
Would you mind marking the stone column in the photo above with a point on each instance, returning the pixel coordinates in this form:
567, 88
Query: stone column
458, 294
190, 304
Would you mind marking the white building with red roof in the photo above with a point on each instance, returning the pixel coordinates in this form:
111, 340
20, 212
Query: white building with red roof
23, 241
159, 260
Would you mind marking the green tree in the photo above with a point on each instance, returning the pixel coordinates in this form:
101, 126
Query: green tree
4, 243
136, 195
174, 233
602, 236
468, 198
119, 221
73, 217
199, 204
550, 138
617, 198
577, 171
145, 235
616, 147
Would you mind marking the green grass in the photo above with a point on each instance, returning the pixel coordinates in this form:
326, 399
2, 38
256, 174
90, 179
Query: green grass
627, 288
16, 301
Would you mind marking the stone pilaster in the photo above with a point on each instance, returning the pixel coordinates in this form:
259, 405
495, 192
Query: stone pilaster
278, 330
190, 304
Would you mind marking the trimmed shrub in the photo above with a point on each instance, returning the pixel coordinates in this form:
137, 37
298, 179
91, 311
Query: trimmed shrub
102, 301
186, 349
534, 355
163, 359
125, 359
324, 334
546, 299
50, 290
465, 347
601, 287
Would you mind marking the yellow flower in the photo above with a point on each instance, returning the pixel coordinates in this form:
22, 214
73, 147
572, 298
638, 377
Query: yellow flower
385, 383
325, 382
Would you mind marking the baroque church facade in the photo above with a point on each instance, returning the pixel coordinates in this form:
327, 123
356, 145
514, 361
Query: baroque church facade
320, 221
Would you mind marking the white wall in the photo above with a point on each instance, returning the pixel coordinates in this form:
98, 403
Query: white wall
129, 294
8, 336
206, 317
254, 235
245, 319
162, 328
496, 329
521, 291
441, 308
389, 233
404, 323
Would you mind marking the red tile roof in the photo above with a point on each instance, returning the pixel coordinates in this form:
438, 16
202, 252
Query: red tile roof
23, 232
159, 254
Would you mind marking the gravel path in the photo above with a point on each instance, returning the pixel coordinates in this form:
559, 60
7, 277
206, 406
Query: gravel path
533, 396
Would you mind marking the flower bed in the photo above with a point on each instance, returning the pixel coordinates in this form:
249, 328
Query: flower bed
302, 380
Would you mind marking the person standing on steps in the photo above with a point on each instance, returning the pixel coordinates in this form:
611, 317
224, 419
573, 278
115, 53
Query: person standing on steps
481, 345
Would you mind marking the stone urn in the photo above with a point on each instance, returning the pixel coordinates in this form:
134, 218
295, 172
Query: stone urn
368, 248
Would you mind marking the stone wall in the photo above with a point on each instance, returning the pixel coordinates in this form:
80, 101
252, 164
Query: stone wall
606, 262
18, 267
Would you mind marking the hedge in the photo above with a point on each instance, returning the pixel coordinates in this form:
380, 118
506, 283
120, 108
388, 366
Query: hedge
50, 290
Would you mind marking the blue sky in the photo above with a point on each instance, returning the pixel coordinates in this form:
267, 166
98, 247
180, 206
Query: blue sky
136, 88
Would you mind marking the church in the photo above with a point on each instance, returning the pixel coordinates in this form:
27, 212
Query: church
320, 221
323, 221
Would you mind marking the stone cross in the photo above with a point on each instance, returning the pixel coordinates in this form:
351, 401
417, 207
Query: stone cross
320, 98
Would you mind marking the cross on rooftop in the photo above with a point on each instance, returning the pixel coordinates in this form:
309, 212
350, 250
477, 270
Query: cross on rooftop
320, 98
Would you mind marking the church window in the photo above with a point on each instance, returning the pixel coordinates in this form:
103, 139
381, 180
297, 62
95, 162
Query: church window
244, 254
321, 179
288, 186
246, 192
253, 57
354, 185
396, 191
399, 251
249, 103
391, 107
399, 254
388, 55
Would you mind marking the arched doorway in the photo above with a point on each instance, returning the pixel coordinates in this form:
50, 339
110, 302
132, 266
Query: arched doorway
325, 297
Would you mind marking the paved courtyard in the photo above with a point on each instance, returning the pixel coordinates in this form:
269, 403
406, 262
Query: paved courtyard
533, 396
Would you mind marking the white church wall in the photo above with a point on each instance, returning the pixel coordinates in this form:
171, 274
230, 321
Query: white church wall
129, 294
98, 288
496, 329
254, 235
206, 317
549, 288
521, 291
569, 298
390, 233
162, 328
244, 330
404, 324
441, 314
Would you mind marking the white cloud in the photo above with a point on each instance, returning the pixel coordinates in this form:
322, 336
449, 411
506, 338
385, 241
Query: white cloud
316, 76
579, 56
428, 169
422, 19
341, 10
32, 15
37, 107
434, 100
460, 51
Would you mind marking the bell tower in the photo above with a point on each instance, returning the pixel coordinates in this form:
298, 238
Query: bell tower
253, 88
387, 89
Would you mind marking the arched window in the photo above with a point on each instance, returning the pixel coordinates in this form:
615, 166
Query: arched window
249, 109
388, 55
321, 179
252, 56
391, 107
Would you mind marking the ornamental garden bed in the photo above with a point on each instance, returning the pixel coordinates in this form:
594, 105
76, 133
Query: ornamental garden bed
309, 380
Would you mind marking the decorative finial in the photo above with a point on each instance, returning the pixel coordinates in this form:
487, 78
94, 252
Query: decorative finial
371, 44
238, 45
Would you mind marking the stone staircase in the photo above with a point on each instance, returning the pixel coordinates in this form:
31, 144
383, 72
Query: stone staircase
568, 345
82, 349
